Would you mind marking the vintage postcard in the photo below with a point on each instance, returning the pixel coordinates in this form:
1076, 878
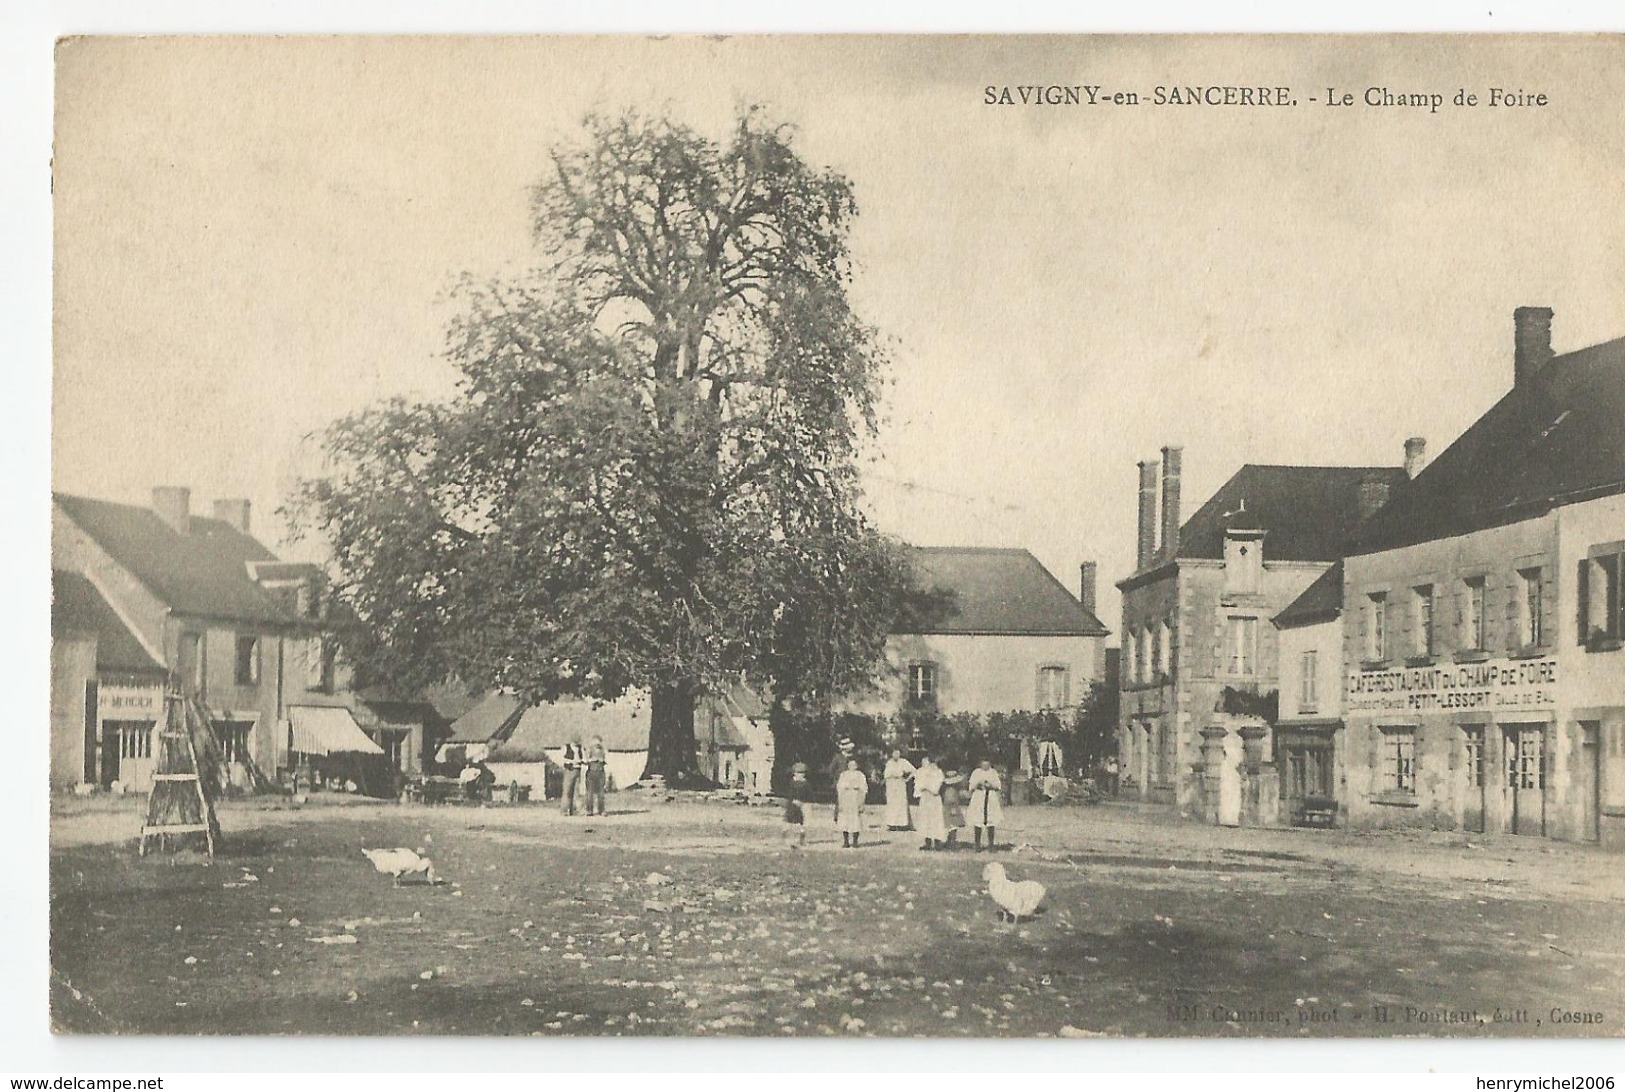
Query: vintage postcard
802, 536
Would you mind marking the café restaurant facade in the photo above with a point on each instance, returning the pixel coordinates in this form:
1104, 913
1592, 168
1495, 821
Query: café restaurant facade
1484, 680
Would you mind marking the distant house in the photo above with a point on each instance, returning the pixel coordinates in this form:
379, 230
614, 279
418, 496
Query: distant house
1199, 677
525, 743
1009, 636
198, 604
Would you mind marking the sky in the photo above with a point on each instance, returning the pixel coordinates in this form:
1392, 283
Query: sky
254, 237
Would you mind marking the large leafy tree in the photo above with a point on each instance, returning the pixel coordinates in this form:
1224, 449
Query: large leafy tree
647, 478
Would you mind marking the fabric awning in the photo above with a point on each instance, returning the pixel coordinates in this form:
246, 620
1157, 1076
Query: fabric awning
323, 730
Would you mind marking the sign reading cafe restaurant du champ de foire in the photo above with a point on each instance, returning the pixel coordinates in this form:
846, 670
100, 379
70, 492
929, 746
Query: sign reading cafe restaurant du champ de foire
1493, 685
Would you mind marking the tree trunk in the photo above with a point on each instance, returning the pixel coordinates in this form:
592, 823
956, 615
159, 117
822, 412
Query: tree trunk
672, 748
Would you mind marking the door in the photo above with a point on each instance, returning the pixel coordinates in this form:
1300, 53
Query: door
129, 743
1230, 782
1472, 796
1526, 778
1589, 781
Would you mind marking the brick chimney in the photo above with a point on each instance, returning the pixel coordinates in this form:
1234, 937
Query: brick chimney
1148, 514
1170, 502
1086, 585
232, 510
1416, 455
1373, 494
1532, 342
173, 503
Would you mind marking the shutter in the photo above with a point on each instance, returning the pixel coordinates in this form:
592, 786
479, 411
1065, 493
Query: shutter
1514, 638
1403, 643
1548, 606
1582, 587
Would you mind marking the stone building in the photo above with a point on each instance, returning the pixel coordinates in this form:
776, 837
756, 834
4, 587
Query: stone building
216, 615
1199, 655
1010, 637
1482, 616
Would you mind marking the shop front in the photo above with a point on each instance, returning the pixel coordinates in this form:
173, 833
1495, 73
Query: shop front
127, 715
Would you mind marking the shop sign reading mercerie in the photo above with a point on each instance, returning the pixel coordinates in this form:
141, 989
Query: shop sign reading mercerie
1500, 685
115, 702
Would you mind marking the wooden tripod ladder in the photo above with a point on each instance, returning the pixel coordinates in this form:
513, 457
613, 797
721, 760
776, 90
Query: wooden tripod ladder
182, 799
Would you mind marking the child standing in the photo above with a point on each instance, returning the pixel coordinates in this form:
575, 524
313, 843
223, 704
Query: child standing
795, 813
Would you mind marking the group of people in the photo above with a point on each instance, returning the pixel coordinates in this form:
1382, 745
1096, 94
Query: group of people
941, 809
585, 767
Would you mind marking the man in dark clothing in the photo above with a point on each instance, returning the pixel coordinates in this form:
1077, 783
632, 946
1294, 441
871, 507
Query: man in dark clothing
572, 761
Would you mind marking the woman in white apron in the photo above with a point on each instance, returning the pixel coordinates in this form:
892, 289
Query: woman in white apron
986, 809
928, 787
850, 791
898, 772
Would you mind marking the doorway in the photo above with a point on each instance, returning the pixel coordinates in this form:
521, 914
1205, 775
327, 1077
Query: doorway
1589, 778
1526, 778
1472, 797
127, 753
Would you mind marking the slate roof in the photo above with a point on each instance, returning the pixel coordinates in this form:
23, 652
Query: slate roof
77, 607
999, 591
1308, 512
204, 573
1558, 438
1321, 601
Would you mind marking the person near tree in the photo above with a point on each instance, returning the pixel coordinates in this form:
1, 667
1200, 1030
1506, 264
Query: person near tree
597, 760
851, 789
897, 773
986, 808
571, 760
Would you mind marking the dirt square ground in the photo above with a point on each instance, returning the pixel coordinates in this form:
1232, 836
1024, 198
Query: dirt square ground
690, 918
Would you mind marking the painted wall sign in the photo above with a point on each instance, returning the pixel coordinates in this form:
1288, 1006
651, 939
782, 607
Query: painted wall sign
129, 702
1492, 686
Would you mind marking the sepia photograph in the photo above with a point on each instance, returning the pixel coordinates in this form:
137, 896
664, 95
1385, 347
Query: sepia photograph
1074, 536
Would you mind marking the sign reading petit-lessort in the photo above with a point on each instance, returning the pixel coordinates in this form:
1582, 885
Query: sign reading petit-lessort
1492, 686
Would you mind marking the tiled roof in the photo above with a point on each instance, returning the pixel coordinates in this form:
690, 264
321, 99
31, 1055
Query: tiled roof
519, 734
1560, 436
999, 591
77, 607
1321, 601
1307, 512
204, 573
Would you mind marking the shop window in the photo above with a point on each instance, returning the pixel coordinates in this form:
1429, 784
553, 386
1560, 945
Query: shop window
1473, 754
1309, 683
1531, 605
1422, 611
1243, 640
1526, 759
1376, 628
1053, 686
922, 683
1602, 606
134, 740
1398, 760
233, 736
248, 660
1472, 613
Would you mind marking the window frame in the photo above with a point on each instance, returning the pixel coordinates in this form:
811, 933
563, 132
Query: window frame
1426, 616
1309, 681
247, 671
1475, 612
1242, 644
1398, 762
1532, 607
923, 682
1378, 633
1064, 695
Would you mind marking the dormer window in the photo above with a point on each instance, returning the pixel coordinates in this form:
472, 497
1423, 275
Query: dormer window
1243, 560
